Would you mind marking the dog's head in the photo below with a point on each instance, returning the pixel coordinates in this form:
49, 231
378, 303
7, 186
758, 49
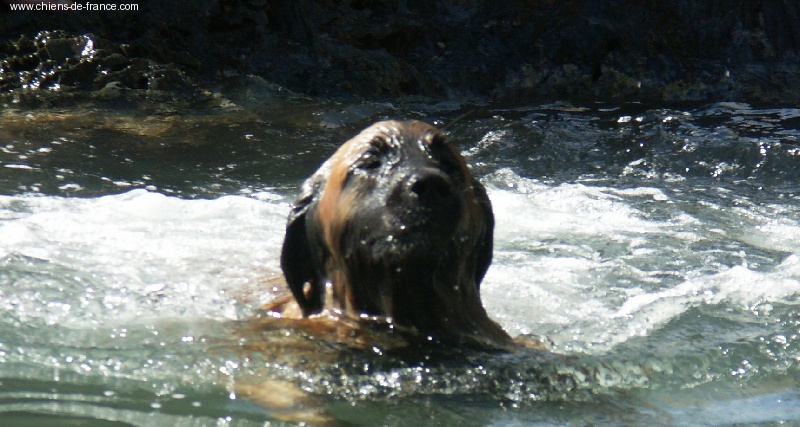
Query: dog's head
395, 222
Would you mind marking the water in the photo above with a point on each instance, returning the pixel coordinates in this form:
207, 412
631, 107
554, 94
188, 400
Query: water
657, 250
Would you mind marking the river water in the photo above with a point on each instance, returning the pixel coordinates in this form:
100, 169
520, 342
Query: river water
656, 248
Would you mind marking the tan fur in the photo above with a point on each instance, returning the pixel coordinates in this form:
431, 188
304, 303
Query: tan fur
461, 311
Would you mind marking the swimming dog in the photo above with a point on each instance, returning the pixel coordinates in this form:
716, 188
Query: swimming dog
394, 225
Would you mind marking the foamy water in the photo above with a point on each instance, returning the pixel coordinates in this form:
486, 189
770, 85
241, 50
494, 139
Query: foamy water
667, 299
591, 267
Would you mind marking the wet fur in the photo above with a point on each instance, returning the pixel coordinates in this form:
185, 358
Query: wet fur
394, 227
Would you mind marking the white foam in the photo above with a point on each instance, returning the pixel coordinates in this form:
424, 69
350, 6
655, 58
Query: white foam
781, 234
140, 254
531, 210
584, 265
589, 268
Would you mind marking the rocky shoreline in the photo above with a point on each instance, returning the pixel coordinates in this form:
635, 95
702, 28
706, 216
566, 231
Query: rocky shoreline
504, 51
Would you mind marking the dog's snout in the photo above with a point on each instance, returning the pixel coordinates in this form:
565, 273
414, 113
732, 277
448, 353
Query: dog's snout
430, 188
423, 192
425, 197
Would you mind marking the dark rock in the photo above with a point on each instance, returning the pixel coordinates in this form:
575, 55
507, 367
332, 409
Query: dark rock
57, 60
511, 51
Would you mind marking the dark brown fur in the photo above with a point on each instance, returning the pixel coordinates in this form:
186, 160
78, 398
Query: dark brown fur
394, 226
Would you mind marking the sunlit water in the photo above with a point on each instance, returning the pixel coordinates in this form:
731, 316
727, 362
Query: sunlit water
658, 250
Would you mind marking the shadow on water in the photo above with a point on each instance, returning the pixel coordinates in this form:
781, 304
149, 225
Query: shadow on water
92, 150
690, 371
561, 143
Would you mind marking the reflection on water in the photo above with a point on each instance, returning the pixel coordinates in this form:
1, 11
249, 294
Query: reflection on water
658, 249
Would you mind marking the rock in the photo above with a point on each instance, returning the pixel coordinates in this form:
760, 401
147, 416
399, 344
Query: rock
504, 50
57, 60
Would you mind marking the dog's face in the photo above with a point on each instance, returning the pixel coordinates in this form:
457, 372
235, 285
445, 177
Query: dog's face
397, 225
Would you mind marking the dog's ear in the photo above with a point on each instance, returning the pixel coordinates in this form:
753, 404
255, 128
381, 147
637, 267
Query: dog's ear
485, 244
297, 255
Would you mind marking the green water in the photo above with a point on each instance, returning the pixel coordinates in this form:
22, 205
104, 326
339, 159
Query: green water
656, 247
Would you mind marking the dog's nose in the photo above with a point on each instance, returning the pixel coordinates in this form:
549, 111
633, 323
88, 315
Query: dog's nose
424, 196
430, 188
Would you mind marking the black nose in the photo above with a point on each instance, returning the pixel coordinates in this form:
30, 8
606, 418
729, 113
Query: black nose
430, 188
425, 198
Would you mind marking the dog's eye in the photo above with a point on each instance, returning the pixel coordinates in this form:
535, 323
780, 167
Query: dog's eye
368, 160
442, 154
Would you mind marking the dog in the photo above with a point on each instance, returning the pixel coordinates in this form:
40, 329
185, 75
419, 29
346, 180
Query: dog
393, 226
384, 253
